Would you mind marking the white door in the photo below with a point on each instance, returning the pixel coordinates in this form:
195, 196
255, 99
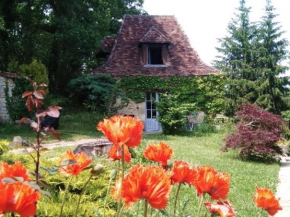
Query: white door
151, 123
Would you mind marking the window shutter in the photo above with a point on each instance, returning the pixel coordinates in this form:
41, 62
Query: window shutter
164, 54
145, 54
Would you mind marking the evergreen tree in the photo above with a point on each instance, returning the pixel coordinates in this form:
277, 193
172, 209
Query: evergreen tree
271, 87
251, 58
237, 60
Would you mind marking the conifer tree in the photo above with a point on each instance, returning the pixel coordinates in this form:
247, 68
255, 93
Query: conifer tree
251, 58
237, 60
271, 87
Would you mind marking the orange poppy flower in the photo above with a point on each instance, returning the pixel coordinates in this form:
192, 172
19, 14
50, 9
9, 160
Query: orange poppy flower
15, 170
116, 153
18, 198
149, 183
264, 198
210, 181
223, 209
182, 173
160, 153
122, 130
82, 161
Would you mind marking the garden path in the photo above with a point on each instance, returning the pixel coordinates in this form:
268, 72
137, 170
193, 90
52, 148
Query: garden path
55, 145
283, 189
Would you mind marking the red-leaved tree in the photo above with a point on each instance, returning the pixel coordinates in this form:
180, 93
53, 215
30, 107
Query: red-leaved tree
257, 134
34, 100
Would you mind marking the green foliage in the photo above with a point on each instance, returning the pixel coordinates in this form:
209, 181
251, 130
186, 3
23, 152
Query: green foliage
63, 35
52, 99
251, 58
286, 118
15, 104
172, 114
206, 92
3, 146
204, 128
272, 47
35, 70
50, 206
94, 91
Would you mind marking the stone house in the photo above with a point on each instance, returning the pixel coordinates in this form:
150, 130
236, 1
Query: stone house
151, 46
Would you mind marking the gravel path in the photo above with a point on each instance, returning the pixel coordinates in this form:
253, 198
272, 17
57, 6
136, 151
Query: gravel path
55, 145
283, 189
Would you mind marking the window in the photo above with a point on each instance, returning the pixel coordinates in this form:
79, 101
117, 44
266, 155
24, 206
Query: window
155, 55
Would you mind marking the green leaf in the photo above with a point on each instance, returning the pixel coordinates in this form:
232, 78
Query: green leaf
68, 162
46, 193
51, 171
97, 211
8, 180
19, 178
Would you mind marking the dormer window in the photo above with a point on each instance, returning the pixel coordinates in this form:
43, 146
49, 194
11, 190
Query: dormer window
155, 55
154, 46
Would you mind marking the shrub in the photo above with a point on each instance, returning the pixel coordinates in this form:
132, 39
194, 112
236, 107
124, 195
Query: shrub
50, 206
3, 146
35, 70
204, 128
257, 134
172, 114
95, 92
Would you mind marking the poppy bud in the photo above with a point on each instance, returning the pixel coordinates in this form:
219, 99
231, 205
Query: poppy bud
97, 170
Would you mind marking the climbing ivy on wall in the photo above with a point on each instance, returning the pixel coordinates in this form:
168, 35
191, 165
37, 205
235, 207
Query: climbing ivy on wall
206, 92
15, 105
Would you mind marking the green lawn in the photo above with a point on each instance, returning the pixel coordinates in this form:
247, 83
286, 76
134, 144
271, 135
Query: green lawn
195, 148
204, 150
73, 125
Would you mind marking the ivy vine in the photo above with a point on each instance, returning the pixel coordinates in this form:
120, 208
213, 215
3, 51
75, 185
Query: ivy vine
207, 92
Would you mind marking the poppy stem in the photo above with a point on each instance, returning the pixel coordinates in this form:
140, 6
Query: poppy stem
122, 179
176, 198
199, 206
64, 196
138, 207
123, 163
81, 194
108, 190
145, 208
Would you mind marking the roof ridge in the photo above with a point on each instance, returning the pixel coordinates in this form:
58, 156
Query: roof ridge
116, 40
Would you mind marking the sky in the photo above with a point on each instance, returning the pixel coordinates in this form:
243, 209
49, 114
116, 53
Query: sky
204, 21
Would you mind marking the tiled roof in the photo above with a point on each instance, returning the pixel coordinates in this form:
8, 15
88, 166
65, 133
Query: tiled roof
108, 43
154, 36
125, 58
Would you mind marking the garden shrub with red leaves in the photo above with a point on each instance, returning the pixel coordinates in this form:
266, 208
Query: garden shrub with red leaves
256, 135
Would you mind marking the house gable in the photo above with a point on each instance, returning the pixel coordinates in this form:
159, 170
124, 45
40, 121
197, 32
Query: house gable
128, 56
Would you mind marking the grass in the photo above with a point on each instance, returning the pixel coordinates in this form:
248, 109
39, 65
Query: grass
74, 125
196, 148
204, 150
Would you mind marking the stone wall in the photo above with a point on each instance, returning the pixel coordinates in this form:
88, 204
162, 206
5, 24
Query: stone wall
134, 109
3, 111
